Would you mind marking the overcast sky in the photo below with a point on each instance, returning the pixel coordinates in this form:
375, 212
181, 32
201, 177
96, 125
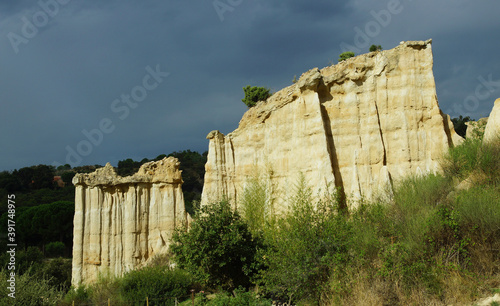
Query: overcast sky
90, 82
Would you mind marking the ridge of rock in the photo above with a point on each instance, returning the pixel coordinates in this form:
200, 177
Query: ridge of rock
358, 125
492, 130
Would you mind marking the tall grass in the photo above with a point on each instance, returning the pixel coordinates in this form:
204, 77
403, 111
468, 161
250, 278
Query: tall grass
429, 243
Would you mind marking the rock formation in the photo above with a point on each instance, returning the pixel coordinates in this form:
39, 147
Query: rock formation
358, 125
121, 222
475, 129
492, 131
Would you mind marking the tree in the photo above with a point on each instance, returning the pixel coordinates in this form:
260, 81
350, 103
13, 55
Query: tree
346, 55
218, 249
46, 223
375, 48
255, 94
460, 126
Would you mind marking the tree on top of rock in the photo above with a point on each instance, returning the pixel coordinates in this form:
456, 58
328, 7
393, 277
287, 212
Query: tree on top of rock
345, 55
254, 94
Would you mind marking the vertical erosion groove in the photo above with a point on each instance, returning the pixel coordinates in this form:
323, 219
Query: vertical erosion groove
324, 95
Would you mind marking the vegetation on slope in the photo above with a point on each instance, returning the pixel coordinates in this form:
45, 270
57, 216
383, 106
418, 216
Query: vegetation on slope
430, 242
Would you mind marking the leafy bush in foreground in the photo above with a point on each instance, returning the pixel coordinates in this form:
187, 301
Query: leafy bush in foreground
29, 290
156, 283
218, 249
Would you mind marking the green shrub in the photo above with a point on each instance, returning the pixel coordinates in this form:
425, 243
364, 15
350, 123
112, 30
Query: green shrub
58, 272
240, 298
461, 160
345, 55
218, 249
307, 246
474, 160
159, 284
415, 200
257, 204
29, 259
80, 296
54, 249
254, 94
375, 48
480, 207
29, 290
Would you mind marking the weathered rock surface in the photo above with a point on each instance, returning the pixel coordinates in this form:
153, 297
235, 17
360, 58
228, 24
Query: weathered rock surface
492, 131
358, 125
121, 222
475, 129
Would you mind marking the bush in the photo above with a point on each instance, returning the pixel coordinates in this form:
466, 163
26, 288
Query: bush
54, 249
58, 272
29, 290
160, 284
474, 160
218, 249
374, 48
240, 298
346, 55
255, 94
257, 204
306, 248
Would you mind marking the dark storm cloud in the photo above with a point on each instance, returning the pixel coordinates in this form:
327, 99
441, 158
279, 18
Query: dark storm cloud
63, 82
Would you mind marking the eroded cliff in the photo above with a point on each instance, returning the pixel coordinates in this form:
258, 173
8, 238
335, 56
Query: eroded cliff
122, 222
358, 125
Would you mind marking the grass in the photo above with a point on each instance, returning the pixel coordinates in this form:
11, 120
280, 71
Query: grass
431, 243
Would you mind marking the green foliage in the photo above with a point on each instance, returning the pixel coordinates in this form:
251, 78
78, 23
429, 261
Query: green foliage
54, 249
161, 285
374, 48
238, 298
256, 204
58, 272
156, 283
218, 249
30, 290
306, 247
254, 94
460, 126
45, 223
29, 259
475, 161
80, 296
193, 173
462, 160
345, 55
127, 167
479, 207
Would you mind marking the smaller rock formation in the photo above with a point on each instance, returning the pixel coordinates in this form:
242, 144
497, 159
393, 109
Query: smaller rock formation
122, 222
475, 129
492, 131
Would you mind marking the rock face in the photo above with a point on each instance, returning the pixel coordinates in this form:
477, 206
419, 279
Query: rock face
492, 131
121, 222
475, 129
357, 125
